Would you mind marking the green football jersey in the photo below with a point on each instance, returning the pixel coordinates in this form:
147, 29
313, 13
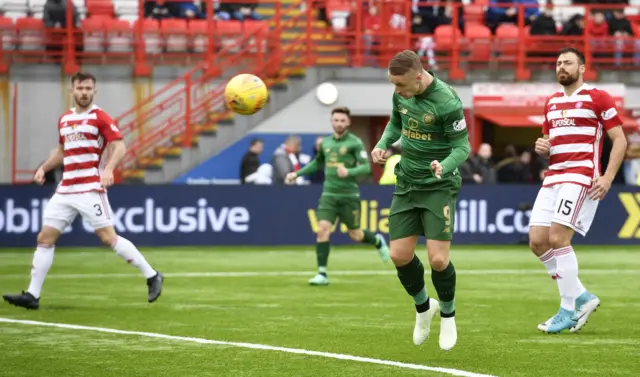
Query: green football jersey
429, 126
347, 151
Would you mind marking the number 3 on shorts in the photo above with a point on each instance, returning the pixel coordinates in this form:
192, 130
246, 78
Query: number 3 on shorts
98, 209
565, 207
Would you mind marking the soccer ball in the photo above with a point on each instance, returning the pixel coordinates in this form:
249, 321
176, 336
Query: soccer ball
245, 94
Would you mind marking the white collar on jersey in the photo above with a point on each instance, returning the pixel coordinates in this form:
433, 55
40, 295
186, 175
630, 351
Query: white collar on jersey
584, 86
90, 109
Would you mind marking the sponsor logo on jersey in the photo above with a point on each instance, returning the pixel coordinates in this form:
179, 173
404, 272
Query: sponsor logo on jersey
76, 136
343, 150
564, 122
609, 114
403, 111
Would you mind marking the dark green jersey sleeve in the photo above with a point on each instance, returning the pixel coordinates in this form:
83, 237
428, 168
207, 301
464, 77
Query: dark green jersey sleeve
315, 164
393, 130
455, 128
362, 157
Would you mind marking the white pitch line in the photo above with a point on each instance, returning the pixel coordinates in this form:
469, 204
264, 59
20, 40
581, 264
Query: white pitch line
231, 274
263, 347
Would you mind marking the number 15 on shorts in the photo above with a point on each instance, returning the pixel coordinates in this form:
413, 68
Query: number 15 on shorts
565, 207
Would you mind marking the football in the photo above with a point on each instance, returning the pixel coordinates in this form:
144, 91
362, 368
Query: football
245, 94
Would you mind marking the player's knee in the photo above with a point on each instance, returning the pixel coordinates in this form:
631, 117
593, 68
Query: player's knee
399, 256
538, 245
46, 238
107, 236
559, 239
324, 230
438, 261
356, 235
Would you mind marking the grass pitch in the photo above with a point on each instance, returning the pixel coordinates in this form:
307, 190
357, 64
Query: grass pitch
223, 298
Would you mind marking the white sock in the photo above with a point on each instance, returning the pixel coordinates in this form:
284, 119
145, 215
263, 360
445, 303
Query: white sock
42, 261
549, 261
567, 277
130, 254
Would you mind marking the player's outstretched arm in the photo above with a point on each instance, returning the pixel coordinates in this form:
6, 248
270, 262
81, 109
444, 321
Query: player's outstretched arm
309, 168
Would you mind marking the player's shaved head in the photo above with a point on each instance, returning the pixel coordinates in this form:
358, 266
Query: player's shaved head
405, 62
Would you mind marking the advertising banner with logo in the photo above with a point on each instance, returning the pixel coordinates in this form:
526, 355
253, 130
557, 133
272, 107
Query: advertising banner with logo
529, 94
174, 215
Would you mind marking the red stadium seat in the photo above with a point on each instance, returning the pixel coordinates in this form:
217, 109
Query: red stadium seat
93, 24
151, 35
198, 31
507, 40
474, 14
479, 41
119, 34
31, 33
175, 33
93, 29
229, 27
7, 34
100, 7
198, 27
444, 34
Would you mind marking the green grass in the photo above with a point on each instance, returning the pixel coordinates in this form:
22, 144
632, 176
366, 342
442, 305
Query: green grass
503, 293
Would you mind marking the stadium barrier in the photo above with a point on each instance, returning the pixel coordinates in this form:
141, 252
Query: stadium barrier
171, 215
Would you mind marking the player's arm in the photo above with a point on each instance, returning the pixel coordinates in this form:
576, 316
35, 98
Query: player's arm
56, 158
313, 166
612, 123
363, 167
542, 146
392, 131
455, 127
117, 146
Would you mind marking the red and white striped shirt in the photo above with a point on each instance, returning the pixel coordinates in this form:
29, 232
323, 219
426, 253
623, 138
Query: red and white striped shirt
84, 137
575, 125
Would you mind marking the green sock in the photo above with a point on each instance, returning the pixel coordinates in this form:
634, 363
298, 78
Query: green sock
370, 238
445, 283
412, 278
322, 255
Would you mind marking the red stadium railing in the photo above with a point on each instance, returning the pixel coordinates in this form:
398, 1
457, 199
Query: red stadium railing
122, 35
292, 36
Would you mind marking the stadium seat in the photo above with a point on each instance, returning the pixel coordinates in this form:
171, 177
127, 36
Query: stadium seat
443, 36
198, 31
175, 33
338, 11
230, 32
507, 40
7, 33
479, 41
119, 35
474, 14
100, 7
31, 33
93, 29
151, 35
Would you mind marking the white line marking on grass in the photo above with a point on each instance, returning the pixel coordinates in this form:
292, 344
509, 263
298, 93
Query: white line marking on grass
263, 347
230, 274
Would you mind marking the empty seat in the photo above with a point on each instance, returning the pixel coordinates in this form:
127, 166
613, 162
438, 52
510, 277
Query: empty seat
176, 34
93, 29
198, 31
119, 35
479, 41
444, 37
151, 35
100, 7
507, 39
31, 33
7, 33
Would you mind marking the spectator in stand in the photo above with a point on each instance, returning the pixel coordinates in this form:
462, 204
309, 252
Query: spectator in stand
187, 10
238, 11
425, 44
598, 28
574, 27
544, 24
156, 10
631, 165
54, 14
372, 23
251, 160
514, 168
506, 11
286, 160
620, 28
479, 168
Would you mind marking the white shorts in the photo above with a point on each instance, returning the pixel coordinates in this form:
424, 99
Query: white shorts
93, 206
567, 204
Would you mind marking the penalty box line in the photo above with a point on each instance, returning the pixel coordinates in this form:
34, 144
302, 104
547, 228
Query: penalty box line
262, 347
232, 274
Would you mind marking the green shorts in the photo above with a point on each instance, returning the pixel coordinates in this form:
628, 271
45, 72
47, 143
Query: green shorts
345, 208
424, 212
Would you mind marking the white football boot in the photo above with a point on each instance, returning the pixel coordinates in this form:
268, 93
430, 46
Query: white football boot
423, 322
448, 333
